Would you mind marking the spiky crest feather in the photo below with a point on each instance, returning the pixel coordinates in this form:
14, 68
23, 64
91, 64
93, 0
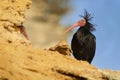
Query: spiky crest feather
87, 16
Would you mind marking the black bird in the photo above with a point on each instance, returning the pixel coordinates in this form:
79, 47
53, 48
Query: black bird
83, 42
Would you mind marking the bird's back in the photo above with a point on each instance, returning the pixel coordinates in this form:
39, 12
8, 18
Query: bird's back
83, 45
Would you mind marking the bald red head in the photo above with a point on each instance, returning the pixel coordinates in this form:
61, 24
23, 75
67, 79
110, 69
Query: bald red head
80, 23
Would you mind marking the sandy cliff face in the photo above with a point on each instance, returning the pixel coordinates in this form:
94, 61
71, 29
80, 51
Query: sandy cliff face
20, 61
12, 13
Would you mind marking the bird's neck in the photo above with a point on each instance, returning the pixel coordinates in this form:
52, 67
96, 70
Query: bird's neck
82, 33
84, 30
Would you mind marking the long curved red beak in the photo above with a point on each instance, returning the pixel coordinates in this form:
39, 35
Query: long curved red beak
73, 26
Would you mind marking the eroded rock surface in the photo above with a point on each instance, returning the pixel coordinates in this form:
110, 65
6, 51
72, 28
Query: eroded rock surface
12, 14
62, 47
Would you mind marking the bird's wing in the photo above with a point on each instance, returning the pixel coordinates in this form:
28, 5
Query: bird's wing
91, 47
77, 47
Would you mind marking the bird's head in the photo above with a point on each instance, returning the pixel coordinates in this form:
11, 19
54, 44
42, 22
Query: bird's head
84, 22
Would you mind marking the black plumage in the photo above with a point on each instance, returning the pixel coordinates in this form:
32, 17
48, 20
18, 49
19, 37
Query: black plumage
83, 42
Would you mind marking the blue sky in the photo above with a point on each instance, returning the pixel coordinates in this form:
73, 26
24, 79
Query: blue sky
106, 15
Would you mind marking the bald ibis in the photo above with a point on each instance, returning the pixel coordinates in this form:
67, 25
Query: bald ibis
83, 42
